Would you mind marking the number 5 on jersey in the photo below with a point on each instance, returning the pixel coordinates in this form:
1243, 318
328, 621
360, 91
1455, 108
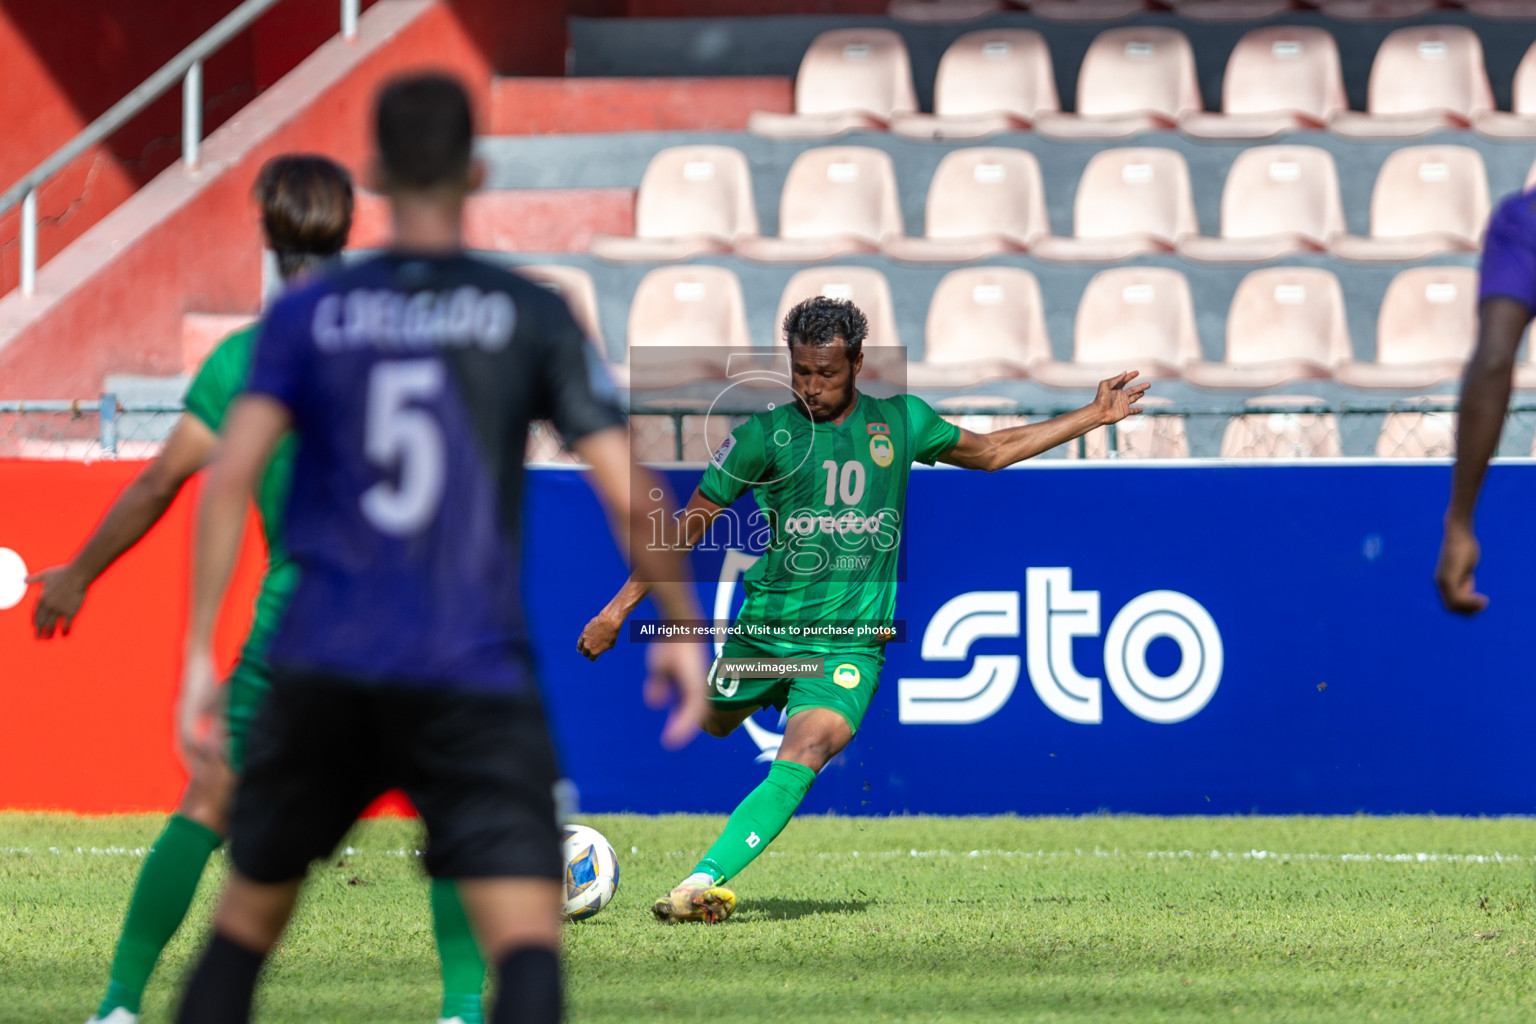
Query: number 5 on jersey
402, 438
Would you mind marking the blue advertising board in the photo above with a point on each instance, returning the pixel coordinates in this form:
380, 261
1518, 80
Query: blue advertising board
1169, 639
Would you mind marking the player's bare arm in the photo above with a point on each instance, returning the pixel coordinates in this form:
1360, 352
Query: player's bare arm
603, 631
1116, 399
634, 496
1484, 401
256, 423
134, 513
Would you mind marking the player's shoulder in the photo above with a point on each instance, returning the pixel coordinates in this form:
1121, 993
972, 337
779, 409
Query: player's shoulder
1516, 211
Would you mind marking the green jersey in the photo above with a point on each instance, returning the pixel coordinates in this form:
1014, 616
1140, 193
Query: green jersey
832, 501
219, 381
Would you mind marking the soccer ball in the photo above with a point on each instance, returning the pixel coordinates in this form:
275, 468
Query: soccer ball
591, 872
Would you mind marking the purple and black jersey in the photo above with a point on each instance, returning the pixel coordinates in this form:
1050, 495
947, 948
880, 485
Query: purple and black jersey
412, 383
1509, 252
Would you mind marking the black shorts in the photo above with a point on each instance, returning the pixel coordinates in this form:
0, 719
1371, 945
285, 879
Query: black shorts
480, 768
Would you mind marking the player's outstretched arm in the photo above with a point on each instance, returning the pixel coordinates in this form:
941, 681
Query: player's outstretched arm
1116, 399
636, 501
1484, 402
135, 511
603, 631
255, 425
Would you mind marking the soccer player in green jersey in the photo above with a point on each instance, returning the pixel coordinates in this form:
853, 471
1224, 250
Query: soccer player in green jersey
306, 205
830, 471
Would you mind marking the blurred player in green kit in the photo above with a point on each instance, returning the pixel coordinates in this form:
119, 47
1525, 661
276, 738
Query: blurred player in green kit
830, 470
306, 210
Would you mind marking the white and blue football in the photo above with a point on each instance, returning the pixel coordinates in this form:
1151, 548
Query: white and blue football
591, 872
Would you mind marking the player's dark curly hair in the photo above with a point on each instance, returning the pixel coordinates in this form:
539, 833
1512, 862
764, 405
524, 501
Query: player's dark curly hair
306, 210
821, 321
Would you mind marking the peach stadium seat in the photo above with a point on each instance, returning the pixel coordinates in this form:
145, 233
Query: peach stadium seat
1277, 200
693, 200
1279, 78
1424, 78
836, 200
1427, 199
984, 323
1139, 437
574, 285
1283, 434
1419, 435
1129, 318
1131, 80
1424, 331
849, 79
992, 81
981, 202
864, 287
1129, 202
1285, 324
692, 309
1520, 121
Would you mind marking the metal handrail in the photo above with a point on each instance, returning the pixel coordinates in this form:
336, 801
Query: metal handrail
186, 66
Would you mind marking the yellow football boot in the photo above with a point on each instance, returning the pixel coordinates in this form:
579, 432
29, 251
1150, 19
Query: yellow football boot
708, 903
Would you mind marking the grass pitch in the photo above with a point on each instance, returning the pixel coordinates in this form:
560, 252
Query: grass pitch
893, 919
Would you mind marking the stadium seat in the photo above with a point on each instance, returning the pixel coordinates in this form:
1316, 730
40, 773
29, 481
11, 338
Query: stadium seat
1131, 80
865, 288
1277, 200
981, 202
993, 81
850, 79
1424, 331
693, 200
984, 323
1129, 318
1424, 78
1520, 121
1278, 79
1285, 324
969, 412
836, 200
1427, 199
574, 285
1129, 202
688, 309
1139, 437
1419, 435
1279, 432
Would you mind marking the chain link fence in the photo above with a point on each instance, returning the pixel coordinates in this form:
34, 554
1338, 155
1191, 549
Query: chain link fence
1277, 427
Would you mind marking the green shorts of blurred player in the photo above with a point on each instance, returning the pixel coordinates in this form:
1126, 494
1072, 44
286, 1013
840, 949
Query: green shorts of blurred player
174, 866
823, 714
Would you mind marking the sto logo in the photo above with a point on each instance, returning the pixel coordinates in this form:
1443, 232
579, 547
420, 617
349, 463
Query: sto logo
1056, 614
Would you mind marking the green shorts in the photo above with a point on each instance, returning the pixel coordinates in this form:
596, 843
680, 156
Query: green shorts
847, 686
244, 690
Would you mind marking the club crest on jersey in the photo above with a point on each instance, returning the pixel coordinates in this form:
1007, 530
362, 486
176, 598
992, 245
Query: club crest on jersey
879, 428
725, 449
846, 676
881, 450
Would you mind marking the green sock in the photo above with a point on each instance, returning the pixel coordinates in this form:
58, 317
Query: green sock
164, 891
463, 967
757, 820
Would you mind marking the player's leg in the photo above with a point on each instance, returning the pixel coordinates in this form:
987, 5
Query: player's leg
463, 966
309, 771
824, 714
174, 865
481, 770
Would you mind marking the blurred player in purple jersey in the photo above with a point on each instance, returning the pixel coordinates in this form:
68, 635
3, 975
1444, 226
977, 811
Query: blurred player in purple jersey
1506, 302
402, 659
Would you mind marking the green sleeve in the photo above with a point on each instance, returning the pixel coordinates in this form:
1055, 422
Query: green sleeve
736, 465
220, 379
932, 435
